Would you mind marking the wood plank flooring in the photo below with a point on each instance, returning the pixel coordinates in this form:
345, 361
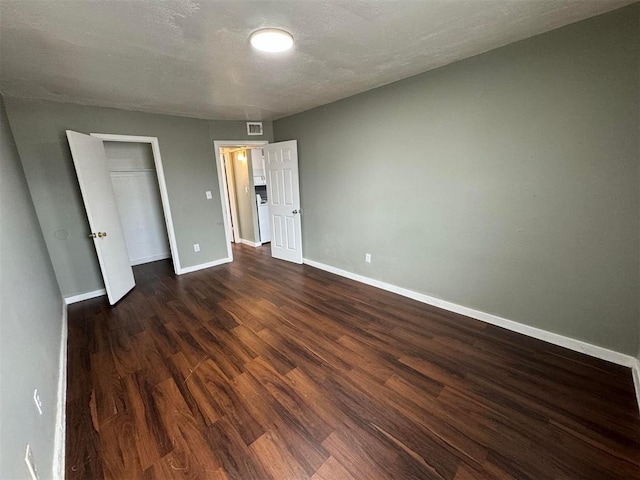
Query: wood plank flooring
223, 374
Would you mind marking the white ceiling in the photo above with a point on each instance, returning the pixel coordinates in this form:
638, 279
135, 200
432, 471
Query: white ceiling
193, 58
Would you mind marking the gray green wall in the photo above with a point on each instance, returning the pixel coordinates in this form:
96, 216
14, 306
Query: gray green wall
30, 325
186, 146
507, 182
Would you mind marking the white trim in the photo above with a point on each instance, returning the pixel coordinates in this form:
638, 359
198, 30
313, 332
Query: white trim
635, 371
61, 427
150, 258
84, 296
250, 243
162, 184
202, 266
222, 183
554, 338
230, 194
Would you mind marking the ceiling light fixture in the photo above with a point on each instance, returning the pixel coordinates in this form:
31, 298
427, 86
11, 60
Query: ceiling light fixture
272, 40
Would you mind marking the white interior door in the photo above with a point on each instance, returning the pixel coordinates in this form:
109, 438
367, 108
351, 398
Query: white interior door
283, 191
102, 212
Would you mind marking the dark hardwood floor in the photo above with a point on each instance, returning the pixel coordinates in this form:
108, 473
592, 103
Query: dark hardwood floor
260, 369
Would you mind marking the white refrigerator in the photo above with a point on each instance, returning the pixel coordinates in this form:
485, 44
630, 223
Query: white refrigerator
263, 223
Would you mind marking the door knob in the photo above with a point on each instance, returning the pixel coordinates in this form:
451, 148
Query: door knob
294, 212
92, 235
102, 234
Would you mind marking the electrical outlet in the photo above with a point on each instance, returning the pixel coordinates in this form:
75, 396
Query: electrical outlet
31, 463
208, 194
37, 401
196, 247
367, 257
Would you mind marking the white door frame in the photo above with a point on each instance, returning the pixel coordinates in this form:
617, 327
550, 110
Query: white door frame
164, 196
222, 182
230, 192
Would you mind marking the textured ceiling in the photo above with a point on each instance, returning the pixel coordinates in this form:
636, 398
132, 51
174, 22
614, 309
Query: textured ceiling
193, 58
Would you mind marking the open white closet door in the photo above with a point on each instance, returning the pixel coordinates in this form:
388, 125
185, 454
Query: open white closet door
102, 211
283, 191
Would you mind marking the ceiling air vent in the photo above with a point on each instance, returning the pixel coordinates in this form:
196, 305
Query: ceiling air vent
254, 128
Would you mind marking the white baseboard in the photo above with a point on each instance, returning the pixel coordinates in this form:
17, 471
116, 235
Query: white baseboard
554, 338
61, 426
84, 296
98, 293
202, 266
636, 379
151, 258
250, 243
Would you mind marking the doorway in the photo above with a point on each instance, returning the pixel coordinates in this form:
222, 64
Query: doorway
238, 191
281, 211
137, 176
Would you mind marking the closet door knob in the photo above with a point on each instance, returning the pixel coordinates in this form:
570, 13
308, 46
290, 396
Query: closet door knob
92, 235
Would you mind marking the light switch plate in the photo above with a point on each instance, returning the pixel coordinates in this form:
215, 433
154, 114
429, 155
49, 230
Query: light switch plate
208, 194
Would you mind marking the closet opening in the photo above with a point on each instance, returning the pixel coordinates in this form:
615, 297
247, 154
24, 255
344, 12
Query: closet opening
135, 184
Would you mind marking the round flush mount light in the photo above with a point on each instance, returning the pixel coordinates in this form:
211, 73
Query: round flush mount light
272, 40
